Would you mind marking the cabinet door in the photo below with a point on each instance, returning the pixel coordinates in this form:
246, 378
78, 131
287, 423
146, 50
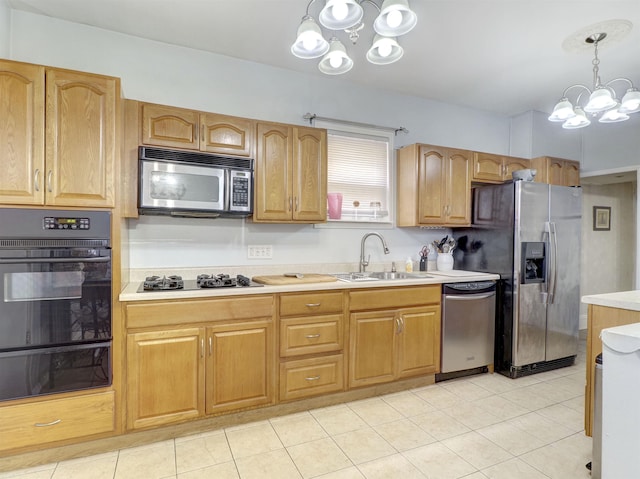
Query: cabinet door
21, 133
310, 174
273, 172
432, 168
169, 126
81, 138
372, 348
571, 173
512, 164
240, 366
419, 341
555, 171
458, 177
165, 377
488, 168
227, 135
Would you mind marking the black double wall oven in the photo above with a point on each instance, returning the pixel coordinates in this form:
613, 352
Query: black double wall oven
55, 312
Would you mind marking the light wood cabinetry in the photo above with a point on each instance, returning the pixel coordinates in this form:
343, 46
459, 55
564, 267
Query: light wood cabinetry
187, 359
556, 171
55, 420
434, 186
389, 340
290, 174
599, 318
59, 136
490, 168
311, 324
187, 129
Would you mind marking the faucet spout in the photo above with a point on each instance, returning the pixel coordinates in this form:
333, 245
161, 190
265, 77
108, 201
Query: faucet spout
364, 263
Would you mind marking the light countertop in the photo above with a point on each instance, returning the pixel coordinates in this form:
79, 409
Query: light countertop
129, 293
621, 300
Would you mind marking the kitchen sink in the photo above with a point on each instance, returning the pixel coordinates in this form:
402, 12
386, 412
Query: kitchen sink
378, 276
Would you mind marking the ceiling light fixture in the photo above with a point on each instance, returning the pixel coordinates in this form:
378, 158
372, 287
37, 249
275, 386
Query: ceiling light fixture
602, 98
395, 18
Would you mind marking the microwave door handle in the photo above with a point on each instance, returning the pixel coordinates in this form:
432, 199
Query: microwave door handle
226, 190
95, 259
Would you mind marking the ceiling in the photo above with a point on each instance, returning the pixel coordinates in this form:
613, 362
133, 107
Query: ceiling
504, 56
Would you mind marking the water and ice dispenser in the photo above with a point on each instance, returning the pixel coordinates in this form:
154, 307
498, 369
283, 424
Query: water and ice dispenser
533, 268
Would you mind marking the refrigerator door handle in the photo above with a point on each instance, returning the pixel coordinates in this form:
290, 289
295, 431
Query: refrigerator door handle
553, 261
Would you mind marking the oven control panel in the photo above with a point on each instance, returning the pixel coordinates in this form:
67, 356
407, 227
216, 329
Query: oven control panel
67, 223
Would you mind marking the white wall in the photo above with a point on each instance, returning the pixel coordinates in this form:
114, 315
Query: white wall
5, 29
533, 135
612, 146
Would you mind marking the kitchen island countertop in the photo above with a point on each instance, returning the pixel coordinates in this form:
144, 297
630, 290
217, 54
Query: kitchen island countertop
622, 300
129, 293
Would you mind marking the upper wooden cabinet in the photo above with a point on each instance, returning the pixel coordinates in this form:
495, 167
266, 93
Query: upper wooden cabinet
490, 168
434, 186
290, 174
556, 171
179, 128
71, 161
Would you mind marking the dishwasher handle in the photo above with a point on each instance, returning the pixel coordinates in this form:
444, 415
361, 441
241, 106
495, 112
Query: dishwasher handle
468, 297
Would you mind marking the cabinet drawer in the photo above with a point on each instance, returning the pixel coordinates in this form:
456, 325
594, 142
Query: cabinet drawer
163, 313
319, 334
310, 303
375, 298
308, 377
55, 420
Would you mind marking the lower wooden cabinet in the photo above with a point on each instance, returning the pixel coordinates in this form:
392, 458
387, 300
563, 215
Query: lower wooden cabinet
310, 377
54, 420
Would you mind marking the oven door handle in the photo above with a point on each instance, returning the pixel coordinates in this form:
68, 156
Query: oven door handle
94, 259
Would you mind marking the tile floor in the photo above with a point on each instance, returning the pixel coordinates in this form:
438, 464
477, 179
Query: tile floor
484, 426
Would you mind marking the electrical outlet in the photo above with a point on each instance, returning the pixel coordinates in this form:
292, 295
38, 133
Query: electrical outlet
264, 251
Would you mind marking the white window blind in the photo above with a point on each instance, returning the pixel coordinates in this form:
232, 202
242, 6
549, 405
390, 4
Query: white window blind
359, 169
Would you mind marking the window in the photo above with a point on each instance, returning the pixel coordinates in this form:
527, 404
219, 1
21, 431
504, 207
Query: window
359, 169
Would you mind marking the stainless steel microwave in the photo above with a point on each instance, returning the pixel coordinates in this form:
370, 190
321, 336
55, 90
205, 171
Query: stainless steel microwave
194, 184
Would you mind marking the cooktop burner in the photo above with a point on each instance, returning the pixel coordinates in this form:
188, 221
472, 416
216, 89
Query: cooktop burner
203, 281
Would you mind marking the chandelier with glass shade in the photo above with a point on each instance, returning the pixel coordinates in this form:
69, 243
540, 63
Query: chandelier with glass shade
602, 101
395, 18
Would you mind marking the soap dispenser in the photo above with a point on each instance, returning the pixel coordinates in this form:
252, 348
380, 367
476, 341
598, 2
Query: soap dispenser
409, 265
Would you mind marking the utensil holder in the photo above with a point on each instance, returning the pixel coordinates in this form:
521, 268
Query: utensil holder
444, 261
335, 205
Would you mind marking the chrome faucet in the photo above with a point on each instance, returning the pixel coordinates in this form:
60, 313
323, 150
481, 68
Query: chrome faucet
364, 263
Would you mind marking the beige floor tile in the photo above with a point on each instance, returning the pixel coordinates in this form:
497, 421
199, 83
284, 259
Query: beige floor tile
541, 427
497, 383
563, 459
156, 460
438, 396
438, 461
363, 445
338, 419
374, 411
390, 467
568, 383
408, 404
477, 450
576, 403
30, 473
202, 451
225, 470
250, 441
501, 407
471, 415
100, 466
318, 457
466, 389
297, 428
440, 425
404, 434
513, 469
273, 464
510, 438
348, 473
564, 415
477, 475
537, 396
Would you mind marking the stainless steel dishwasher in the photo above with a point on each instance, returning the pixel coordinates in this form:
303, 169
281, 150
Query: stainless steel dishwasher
468, 327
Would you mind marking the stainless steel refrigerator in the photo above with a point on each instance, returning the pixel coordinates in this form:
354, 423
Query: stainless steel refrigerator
528, 233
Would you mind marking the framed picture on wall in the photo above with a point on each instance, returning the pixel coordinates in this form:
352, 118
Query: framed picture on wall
601, 218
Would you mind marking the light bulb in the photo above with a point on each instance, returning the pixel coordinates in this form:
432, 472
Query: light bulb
384, 49
394, 18
308, 42
335, 61
340, 10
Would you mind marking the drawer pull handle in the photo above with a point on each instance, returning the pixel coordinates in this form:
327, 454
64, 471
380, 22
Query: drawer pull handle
314, 378
312, 305
312, 336
52, 423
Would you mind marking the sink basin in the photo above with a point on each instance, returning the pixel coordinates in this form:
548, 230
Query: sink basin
378, 276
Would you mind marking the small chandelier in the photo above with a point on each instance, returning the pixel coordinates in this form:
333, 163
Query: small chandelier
601, 100
395, 18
